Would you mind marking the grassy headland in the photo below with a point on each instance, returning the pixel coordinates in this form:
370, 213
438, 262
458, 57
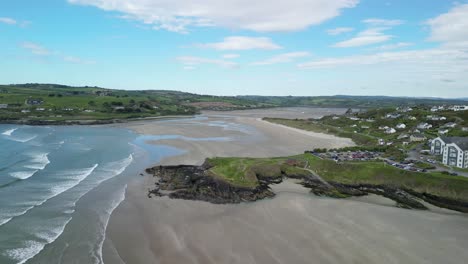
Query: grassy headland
247, 172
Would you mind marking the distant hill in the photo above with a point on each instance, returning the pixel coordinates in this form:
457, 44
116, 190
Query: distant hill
57, 103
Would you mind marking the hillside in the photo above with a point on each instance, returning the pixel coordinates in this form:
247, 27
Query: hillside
57, 103
52, 103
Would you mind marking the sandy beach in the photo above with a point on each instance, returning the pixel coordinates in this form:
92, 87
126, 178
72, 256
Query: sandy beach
293, 227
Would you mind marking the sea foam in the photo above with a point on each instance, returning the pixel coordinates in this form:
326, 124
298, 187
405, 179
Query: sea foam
9, 132
73, 179
39, 161
23, 139
23, 175
33, 247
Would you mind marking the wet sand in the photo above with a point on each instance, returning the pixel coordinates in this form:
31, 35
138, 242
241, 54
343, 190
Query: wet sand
293, 227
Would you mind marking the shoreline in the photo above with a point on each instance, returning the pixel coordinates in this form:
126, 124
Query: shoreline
167, 230
90, 122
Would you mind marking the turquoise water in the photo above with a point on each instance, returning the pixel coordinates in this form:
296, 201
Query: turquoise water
59, 185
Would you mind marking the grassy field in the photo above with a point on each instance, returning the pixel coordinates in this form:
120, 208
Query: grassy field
244, 172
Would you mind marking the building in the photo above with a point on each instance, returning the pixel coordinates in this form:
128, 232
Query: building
393, 116
390, 130
32, 101
443, 131
436, 118
404, 109
460, 107
454, 150
417, 137
3, 106
403, 136
424, 126
401, 126
450, 124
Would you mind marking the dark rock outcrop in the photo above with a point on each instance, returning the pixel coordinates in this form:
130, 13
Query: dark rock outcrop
196, 183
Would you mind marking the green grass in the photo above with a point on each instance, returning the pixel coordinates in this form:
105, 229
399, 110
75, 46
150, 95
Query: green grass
379, 173
243, 172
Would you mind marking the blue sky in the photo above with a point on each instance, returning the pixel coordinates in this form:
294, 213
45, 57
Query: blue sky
235, 47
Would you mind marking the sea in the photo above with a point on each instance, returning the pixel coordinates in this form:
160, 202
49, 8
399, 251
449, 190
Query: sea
59, 186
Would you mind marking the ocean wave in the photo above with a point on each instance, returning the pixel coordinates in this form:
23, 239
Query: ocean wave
117, 167
23, 175
74, 178
33, 247
9, 132
39, 161
23, 140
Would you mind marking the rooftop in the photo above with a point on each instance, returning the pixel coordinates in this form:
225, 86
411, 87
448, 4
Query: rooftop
461, 142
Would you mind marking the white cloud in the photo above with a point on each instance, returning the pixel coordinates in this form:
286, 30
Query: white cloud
231, 56
339, 31
36, 49
261, 15
192, 61
395, 46
7, 20
283, 58
451, 27
242, 43
189, 68
77, 60
442, 59
383, 22
11, 21
364, 38
41, 51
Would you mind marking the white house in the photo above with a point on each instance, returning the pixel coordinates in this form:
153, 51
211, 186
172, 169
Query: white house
460, 107
390, 130
3, 106
436, 118
450, 124
454, 150
443, 131
424, 126
401, 126
417, 137
393, 115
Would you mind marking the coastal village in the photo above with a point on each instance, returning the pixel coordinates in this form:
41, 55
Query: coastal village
419, 138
